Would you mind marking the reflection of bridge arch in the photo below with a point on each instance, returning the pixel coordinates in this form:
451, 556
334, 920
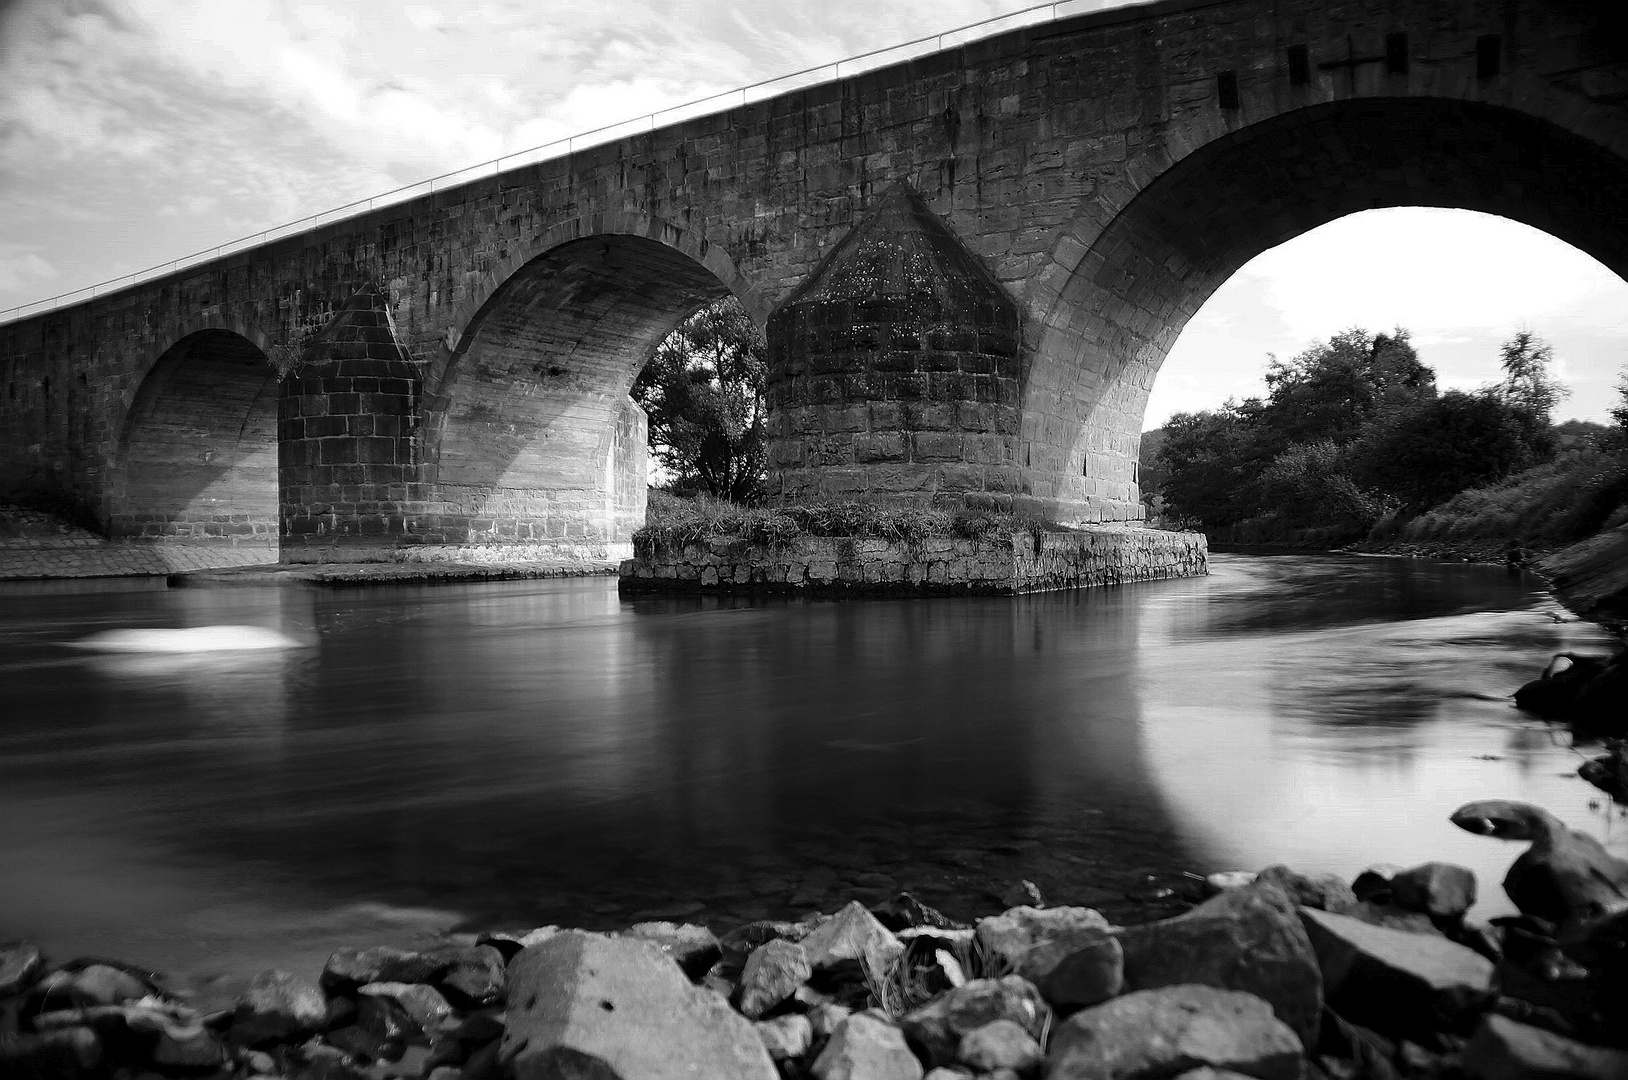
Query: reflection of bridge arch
1178, 229
197, 454
531, 435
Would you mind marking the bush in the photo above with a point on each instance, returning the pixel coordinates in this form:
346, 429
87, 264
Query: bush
1556, 503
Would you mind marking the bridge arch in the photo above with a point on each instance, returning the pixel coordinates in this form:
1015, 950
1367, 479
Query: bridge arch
1175, 230
530, 434
196, 457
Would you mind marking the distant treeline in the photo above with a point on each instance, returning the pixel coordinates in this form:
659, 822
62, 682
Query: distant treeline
1353, 441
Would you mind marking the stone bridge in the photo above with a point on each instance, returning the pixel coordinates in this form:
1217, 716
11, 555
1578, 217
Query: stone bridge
970, 267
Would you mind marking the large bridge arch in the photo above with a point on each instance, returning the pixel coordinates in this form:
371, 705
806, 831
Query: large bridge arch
530, 434
196, 457
1180, 231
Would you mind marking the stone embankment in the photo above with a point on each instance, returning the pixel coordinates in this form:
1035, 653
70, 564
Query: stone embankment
1020, 562
1278, 976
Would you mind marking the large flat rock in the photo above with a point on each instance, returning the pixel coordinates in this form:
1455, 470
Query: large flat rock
1394, 981
613, 1008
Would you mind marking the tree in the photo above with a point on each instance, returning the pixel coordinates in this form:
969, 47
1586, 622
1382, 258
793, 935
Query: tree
1332, 389
1619, 412
1530, 390
703, 392
1432, 450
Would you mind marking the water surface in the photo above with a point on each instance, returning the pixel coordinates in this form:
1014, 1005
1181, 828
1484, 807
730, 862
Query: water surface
456, 756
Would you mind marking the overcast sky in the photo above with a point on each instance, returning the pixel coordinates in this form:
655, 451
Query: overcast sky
134, 131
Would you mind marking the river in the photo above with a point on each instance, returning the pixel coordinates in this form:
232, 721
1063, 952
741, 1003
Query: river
458, 756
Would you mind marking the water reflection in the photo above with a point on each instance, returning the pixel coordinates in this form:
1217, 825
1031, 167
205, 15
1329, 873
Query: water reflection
531, 752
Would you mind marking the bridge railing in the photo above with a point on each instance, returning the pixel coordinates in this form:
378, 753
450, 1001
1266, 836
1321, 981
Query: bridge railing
673, 114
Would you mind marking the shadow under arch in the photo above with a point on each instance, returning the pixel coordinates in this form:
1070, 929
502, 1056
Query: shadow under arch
1188, 230
196, 460
530, 433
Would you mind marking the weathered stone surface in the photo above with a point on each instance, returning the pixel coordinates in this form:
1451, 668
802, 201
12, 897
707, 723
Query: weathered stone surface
1091, 968
1325, 891
788, 1036
867, 1047
827, 1018
476, 977
737, 943
347, 969
1394, 981
999, 1044
1151, 1034
1565, 876
368, 1043
621, 1006
693, 948
773, 971
1503, 1049
1248, 939
841, 943
1014, 933
948, 1072
1440, 890
19, 963
939, 1026
904, 911
88, 986
421, 1007
278, 1007
188, 1046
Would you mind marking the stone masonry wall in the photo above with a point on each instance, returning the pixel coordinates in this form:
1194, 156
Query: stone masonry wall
1017, 563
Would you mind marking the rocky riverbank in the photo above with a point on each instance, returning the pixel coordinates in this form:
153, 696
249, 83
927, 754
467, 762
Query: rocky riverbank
1277, 975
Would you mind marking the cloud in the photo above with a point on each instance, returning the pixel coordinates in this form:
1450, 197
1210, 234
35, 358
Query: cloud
22, 265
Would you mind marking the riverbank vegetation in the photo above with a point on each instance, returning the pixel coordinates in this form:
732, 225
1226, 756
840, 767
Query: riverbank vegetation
676, 520
1354, 444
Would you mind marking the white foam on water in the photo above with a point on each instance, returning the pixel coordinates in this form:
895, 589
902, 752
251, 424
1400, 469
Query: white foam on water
192, 639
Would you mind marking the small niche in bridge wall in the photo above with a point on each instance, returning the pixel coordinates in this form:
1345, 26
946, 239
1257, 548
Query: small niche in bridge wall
198, 459
538, 441
893, 371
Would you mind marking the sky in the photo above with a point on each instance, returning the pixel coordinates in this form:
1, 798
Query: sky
136, 131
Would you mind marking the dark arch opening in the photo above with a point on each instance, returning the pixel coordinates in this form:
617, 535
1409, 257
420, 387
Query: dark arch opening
198, 456
533, 436
1194, 226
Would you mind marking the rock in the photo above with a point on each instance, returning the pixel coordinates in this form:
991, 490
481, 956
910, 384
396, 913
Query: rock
1222, 880
1010, 936
1441, 890
904, 911
1091, 971
827, 1018
737, 944
839, 946
1374, 884
510, 942
476, 977
1395, 982
1565, 877
1208, 1072
1503, 1049
347, 969
939, 1025
1327, 892
54, 1055
19, 963
1247, 939
1149, 1034
693, 948
189, 1046
601, 1006
421, 1008
786, 1036
999, 1044
867, 1047
87, 987
947, 1072
278, 1007
1391, 917
773, 972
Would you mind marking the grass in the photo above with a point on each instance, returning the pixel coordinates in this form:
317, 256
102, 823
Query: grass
1551, 505
672, 521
